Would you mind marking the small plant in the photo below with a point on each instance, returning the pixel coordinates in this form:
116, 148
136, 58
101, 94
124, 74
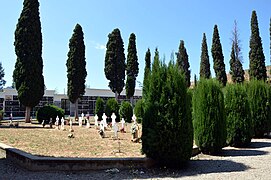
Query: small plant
99, 107
139, 110
112, 106
49, 111
126, 111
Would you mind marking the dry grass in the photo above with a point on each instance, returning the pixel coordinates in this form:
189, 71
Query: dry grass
34, 139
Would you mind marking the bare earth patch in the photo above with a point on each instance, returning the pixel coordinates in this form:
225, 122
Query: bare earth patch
34, 139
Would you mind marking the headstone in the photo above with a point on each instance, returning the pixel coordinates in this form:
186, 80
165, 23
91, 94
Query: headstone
134, 118
104, 120
134, 131
96, 120
113, 117
43, 123
122, 125
82, 117
102, 125
57, 122
62, 123
51, 123
71, 130
116, 129
11, 116
80, 121
88, 124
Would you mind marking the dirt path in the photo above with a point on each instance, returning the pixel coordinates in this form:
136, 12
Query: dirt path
249, 163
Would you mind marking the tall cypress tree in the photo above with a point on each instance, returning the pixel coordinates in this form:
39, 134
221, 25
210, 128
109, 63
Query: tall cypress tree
147, 69
131, 68
115, 62
205, 71
28, 72
218, 58
257, 67
2, 74
182, 62
76, 66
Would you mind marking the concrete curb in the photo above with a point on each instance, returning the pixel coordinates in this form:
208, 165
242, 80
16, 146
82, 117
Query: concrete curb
37, 163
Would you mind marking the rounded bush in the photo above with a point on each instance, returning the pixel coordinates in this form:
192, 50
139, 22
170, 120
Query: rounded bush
138, 110
126, 111
238, 116
209, 116
258, 93
49, 111
167, 131
112, 106
99, 107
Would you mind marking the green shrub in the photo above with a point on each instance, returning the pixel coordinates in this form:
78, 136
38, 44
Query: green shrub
258, 93
126, 111
99, 107
138, 110
49, 111
167, 131
111, 106
238, 117
209, 116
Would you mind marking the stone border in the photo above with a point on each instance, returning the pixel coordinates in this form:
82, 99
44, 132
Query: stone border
37, 163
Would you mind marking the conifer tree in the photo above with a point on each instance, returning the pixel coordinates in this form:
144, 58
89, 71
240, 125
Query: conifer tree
115, 62
147, 69
205, 71
257, 69
28, 72
76, 66
2, 74
218, 58
131, 68
182, 62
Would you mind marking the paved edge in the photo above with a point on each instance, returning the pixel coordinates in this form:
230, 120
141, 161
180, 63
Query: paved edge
37, 163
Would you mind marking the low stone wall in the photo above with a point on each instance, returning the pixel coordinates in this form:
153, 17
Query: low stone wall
37, 163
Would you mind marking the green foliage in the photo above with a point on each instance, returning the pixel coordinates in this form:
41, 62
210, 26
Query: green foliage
209, 116
236, 68
167, 132
139, 110
99, 107
205, 71
147, 69
2, 74
218, 58
28, 72
112, 106
132, 66
49, 111
182, 62
238, 116
115, 61
257, 69
259, 99
76, 65
126, 111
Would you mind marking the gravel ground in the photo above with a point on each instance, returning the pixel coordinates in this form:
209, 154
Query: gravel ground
247, 163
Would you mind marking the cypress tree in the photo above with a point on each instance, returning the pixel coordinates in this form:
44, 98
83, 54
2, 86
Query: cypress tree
2, 74
115, 62
131, 68
182, 62
76, 66
218, 58
147, 69
257, 67
205, 71
236, 69
99, 107
28, 72
195, 80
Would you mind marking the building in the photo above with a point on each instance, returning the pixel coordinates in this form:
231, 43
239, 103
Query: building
10, 103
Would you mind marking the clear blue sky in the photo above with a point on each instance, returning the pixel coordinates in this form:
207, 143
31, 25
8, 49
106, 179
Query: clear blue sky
159, 24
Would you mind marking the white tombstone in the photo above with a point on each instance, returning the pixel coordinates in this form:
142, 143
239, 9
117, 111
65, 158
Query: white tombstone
115, 129
62, 123
82, 115
57, 122
96, 120
122, 123
104, 120
80, 121
113, 117
134, 118
88, 124
102, 125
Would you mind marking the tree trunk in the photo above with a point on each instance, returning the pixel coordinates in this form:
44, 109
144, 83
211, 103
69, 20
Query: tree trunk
116, 96
76, 109
27, 114
132, 101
